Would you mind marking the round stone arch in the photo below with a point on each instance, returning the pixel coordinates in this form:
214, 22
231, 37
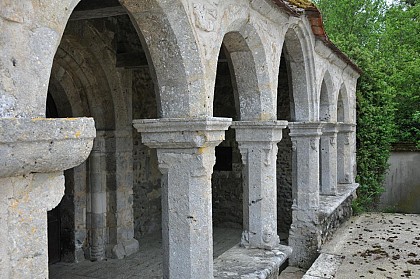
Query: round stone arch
85, 85
327, 104
343, 105
172, 53
255, 99
298, 52
79, 87
31, 33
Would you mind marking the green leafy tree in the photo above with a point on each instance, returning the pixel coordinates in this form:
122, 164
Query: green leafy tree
357, 28
400, 45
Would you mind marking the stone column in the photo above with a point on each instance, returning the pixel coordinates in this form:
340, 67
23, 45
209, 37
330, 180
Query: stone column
97, 186
23, 223
304, 235
122, 240
185, 149
258, 146
33, 154
328, 159
345, 153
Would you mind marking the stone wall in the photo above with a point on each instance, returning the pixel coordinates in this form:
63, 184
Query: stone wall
227, 184
329, 224
402, 182
284, 185
146, 185
284, 156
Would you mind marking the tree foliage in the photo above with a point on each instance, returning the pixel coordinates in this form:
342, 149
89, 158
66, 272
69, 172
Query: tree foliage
384, 41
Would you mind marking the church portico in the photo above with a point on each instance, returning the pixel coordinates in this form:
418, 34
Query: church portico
123, 121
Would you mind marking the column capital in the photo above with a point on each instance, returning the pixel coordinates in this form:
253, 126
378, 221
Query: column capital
173, 133
259, 131
346, 127
330, 129
305, 129
41, 145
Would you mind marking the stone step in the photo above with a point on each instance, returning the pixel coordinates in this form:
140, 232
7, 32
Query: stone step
292, 273
239, 262
325, 267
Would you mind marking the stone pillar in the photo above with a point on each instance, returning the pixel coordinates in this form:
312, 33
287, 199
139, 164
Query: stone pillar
304, 235
33, 154
122, 236
258, 146
97, 186
185, 149
328, 159
345, 153
23, 223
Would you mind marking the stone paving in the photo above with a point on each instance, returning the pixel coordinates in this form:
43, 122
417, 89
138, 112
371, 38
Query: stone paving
145, 264
292, 273
373, 245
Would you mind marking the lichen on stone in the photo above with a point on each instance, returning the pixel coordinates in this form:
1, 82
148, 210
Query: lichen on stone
301, 3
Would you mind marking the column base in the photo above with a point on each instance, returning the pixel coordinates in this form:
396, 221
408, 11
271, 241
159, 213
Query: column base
269, 243
305, 242
124, 249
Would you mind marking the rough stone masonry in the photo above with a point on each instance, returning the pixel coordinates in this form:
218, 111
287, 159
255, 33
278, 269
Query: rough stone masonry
124, 118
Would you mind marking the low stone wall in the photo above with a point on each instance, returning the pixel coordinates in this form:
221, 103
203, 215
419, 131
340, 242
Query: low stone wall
239, 262
335, 210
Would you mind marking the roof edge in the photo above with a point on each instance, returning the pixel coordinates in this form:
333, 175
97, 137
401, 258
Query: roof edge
317, 26
286, 8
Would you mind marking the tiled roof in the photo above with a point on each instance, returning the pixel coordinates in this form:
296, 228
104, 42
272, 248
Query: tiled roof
299, 7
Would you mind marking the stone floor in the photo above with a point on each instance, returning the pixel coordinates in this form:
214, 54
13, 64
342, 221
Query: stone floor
373, 245
145, 264
292, 273
231, 261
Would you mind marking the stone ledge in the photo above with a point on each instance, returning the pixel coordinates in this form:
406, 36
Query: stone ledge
325, 267
259, 131
239, 262
182, 132
43, 144
328, 204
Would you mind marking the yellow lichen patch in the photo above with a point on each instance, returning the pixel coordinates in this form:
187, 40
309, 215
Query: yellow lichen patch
78, 134
38, 119
265, 116
14, 204
301, 3
201, 150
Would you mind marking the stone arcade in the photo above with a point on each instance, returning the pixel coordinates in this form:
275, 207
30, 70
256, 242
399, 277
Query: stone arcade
134, 117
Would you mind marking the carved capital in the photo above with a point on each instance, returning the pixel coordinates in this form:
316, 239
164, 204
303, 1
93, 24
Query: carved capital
175, 133
294, 145
347, 139
314, 146
332, 141
305, 129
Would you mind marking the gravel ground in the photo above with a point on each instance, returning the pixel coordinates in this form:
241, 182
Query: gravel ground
373, 245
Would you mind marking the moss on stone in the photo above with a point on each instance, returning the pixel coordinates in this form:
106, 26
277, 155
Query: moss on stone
301, 3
